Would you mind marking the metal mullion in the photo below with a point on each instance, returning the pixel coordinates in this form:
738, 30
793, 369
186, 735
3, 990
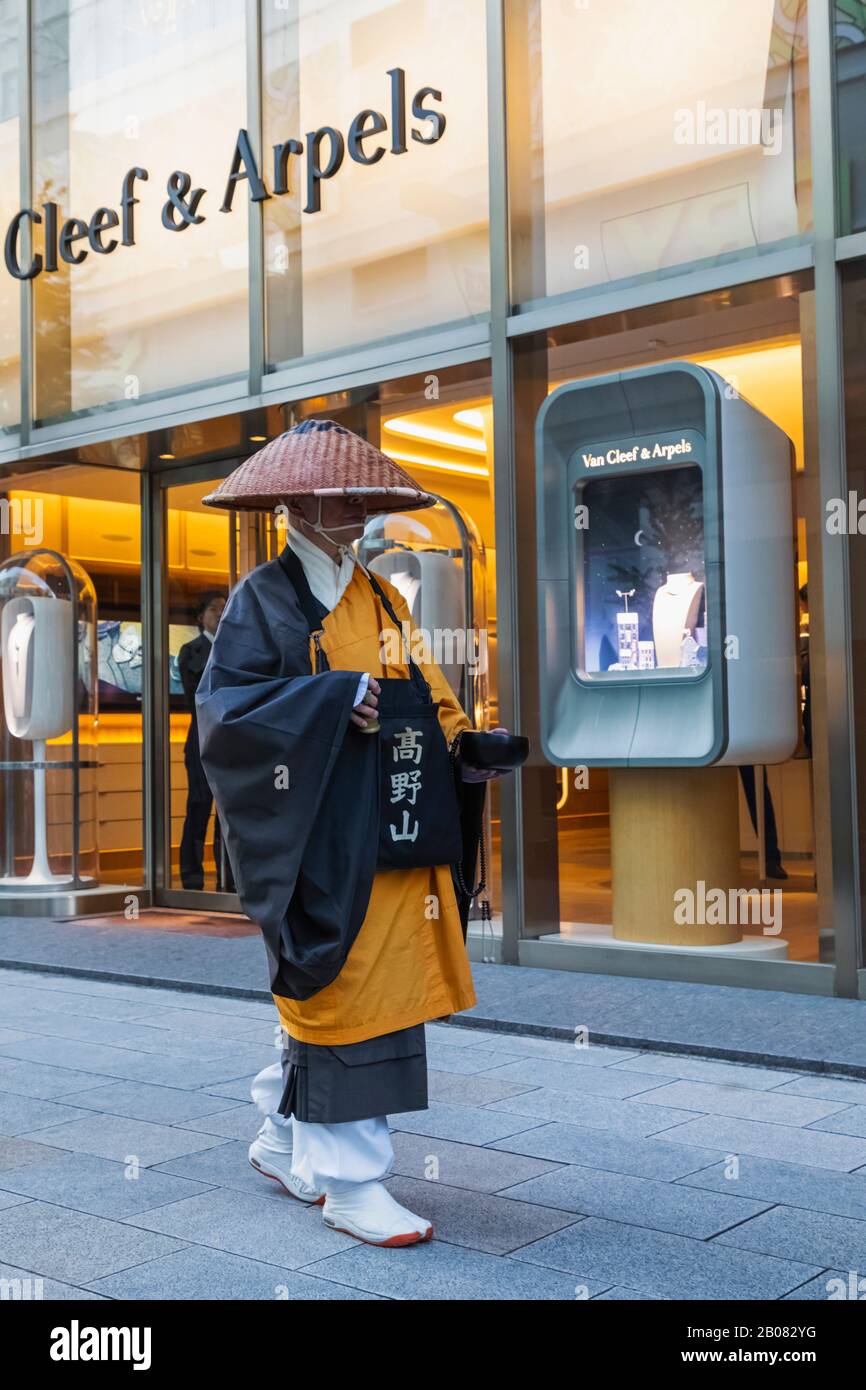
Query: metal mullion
832, 483
851, 247
502, 385
256, 252
25, 181
154, 685
617, 299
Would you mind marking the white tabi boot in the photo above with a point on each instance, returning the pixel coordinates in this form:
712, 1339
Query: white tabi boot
367, 1211
270, 1152
271, 1155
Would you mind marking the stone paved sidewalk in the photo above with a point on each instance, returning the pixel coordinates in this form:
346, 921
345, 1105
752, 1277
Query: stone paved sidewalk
549, 1172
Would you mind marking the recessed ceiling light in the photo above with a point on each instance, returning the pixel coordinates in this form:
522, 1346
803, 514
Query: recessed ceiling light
430, 434
472, 419
166, 456
258, 438
439, 465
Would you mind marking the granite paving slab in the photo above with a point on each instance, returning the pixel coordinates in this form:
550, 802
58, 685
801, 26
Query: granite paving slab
235, 1122
640, 1202
124, 1140
657, 1263
788, 1184
469, 1126
628, 1117
440, 1272
20, 1114
41, 1081
826, 1088
812, 1236
580, 1080
138, 1100
610, 1152
849, 1121
73, 1246
720, 1073
462, 1165
96, 1185
227, 1166
453, 1089
198, 1273
479, 1221
275, 1230
771, 1107
22, 1285
16, 1153
831, 1286
785, 1142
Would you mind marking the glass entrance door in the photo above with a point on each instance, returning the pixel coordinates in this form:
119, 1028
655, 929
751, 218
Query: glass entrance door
196, 568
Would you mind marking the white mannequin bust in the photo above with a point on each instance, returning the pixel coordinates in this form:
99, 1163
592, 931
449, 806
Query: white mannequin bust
675, 612
38, 667
19, 654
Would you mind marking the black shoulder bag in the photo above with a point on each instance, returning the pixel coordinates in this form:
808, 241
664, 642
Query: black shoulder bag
419, 815
419, 818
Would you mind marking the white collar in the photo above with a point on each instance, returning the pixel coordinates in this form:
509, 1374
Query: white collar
328, 579
209, 635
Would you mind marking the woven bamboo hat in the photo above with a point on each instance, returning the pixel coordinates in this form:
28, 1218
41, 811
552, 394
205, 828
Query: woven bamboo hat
318, 458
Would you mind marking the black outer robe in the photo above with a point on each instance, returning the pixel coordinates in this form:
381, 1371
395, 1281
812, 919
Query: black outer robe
304, 856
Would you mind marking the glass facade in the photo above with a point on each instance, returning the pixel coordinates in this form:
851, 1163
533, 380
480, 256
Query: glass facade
685, 139
10, 179
119, 86
425, 239
393, 239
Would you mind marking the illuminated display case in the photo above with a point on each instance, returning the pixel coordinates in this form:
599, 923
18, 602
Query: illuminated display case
666, 573
640, 576
49, 726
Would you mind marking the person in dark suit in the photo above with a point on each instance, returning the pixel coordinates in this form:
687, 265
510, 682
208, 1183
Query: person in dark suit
192, 659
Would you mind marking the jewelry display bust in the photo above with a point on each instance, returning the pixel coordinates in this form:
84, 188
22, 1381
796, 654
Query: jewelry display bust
676, 608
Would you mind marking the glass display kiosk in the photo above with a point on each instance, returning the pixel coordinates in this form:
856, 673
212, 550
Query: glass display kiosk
48, 730
666, 574
667, 621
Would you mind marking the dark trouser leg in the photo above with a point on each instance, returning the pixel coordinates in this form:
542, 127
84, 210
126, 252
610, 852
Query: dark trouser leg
225, 881
771, 834
198, 808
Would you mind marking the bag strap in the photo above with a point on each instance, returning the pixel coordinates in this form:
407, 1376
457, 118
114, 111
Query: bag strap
312, 610
415, 673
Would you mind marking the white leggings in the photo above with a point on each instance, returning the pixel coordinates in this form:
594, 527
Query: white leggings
330, 1158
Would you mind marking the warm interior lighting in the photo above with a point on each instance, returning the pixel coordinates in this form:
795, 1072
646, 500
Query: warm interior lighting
166, 456
439, 465
470, 419
413, 429
258, 438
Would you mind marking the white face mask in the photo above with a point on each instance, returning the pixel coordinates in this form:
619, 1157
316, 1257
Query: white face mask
331, 532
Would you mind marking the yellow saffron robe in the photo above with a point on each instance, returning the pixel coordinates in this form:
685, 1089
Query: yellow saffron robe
408, 963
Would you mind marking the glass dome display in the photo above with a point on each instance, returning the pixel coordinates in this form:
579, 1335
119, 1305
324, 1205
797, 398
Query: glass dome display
48, 725
435, 559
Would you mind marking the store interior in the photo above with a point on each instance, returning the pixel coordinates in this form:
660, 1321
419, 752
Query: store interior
93, 515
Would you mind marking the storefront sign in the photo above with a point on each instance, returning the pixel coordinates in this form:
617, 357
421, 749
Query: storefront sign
644, 453
319, 157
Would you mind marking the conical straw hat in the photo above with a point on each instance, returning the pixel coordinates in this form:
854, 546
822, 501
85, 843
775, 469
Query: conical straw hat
319, 458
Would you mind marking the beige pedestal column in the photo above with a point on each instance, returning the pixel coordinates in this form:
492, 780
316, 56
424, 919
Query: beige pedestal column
672, 828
